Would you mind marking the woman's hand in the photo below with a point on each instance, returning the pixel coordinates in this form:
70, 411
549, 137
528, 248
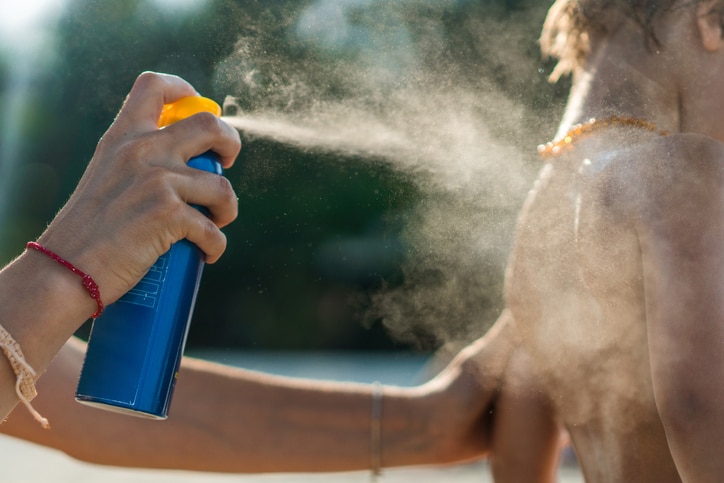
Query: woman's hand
132, 203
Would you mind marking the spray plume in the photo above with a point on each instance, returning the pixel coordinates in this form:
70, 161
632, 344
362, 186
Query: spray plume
432, 89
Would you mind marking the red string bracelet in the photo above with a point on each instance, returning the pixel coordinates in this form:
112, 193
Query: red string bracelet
88, 283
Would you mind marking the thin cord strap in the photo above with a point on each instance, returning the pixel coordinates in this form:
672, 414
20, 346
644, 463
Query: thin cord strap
88, 283
26, 376
376, 432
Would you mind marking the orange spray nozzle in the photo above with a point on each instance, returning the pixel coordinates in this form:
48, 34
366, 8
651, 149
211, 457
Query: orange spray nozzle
187, 107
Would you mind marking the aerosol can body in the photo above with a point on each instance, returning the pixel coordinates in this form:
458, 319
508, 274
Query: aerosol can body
135, 347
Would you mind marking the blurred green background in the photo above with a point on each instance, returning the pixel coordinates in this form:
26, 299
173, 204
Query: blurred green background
319, 233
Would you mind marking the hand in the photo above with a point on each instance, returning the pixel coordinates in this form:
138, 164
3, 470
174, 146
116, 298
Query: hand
461, 398
132, 203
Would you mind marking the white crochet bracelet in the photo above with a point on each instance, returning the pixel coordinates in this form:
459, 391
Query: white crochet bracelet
26, 376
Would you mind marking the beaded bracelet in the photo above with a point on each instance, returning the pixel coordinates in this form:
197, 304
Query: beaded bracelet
88, 283
26, 376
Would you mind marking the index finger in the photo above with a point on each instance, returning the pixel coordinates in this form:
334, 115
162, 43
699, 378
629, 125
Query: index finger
149, 93
202, 132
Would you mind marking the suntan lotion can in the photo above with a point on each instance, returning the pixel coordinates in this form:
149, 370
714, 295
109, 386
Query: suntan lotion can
135, 346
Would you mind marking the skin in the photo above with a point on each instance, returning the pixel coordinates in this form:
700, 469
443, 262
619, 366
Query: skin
615, 280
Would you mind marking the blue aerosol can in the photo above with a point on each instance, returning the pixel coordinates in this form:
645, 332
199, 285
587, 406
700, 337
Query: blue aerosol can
135, 347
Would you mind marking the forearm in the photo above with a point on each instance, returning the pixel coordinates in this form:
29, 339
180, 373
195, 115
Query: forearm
41, 305
229, 420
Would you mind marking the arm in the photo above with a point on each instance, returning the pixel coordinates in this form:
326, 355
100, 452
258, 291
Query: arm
128, 208
526, 434
681, 231
230, 420
222, 419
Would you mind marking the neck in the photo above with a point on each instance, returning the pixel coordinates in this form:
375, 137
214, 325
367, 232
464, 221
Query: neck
621, 80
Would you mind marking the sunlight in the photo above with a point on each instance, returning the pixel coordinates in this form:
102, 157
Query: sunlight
21, 20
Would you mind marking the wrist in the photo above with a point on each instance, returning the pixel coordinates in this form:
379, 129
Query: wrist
102, 257
88, 283
41, 304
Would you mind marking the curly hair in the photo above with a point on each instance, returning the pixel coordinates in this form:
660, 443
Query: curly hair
571, 24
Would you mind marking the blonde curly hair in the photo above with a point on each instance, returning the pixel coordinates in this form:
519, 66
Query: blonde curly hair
571, 26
